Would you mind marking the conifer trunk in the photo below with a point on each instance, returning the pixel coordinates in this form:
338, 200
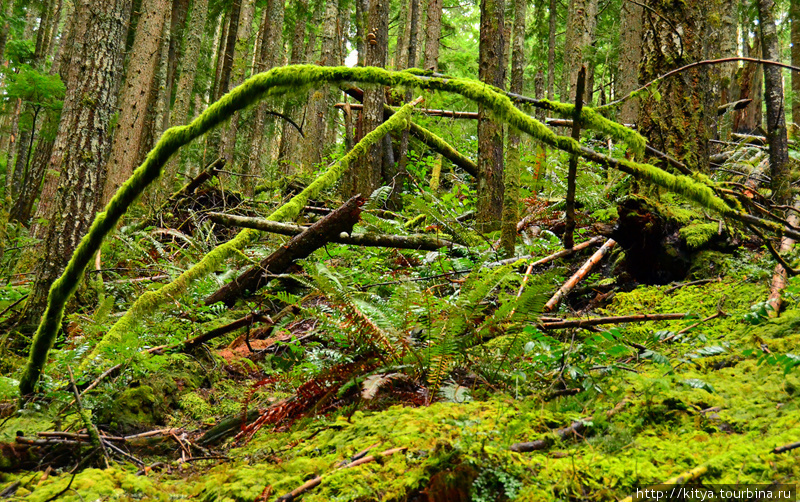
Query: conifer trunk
490, 134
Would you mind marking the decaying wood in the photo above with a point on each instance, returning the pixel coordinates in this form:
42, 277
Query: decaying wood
301, 246
421, 242
195, 183
596, 321
576, 429
549, 258
578, 276
314, 482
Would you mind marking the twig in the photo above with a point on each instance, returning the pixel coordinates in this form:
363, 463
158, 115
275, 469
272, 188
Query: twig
692, 283
12, 305
87, 421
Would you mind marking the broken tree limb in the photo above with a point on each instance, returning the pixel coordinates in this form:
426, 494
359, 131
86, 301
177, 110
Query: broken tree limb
301, 246
596, 321
735, 105
423, 242
577, 428
569, 227
549, 258
191, 343
578, 276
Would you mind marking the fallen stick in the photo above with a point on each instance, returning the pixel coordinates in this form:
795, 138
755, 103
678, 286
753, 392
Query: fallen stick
692, 283
578, 276
596, 321
787, 447
577, 428
191, 343
301, 246
680, 479
422, 242
548, 258
314, 482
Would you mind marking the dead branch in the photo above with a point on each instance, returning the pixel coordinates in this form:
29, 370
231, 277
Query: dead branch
578, 276
301, 246
87, 421
785, 448
195, 183
735, 105
597, 321
422, 242
191, 343
575, 430
691, 283
782, 270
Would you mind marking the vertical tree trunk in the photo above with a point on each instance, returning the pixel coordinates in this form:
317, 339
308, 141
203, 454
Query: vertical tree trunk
776, 115
136, 95
433, 31
271, 53
513, 166
83, 140
748, 119
180, 9
490, 134
678, 123
226, 66
630, 55
580, 36
403, 34
7, 13
551, 50
183, 92
288, 151
368, 170
794, 15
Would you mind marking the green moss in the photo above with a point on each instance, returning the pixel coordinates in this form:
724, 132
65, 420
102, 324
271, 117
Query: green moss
708, 264
95, 484
698, 233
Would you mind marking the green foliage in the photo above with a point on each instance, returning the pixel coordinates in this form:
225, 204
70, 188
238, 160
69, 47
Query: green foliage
698, 233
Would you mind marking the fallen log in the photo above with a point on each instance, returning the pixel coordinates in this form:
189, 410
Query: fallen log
576, 429
596, 321
422, 242
301, 246
578, 276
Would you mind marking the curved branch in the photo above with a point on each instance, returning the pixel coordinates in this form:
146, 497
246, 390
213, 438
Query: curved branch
287, 119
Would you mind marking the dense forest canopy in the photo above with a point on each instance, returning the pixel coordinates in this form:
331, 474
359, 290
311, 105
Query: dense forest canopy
428, 250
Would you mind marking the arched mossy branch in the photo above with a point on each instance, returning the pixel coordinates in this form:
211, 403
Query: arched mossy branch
151, 300
291, 79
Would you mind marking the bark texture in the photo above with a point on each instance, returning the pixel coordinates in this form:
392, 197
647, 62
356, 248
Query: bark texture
776, 115
630, 55
82, 144
433, 31
794, 15
581, 24
140, 81
490, 134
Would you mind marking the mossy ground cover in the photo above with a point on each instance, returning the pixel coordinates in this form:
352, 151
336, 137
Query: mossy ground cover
683, 411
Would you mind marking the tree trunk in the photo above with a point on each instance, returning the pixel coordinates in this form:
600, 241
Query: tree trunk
180, 9
551, 50
271, 53
433, 31
136, 95
513, 166
630, 54
580, 36
794, 15
776, 115
678, 123
230, 47
183, 92
748, 120
83, 140
288, 151
490, 134
9, 11
368, 169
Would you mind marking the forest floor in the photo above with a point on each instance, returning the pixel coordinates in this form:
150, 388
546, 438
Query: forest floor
710, 396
